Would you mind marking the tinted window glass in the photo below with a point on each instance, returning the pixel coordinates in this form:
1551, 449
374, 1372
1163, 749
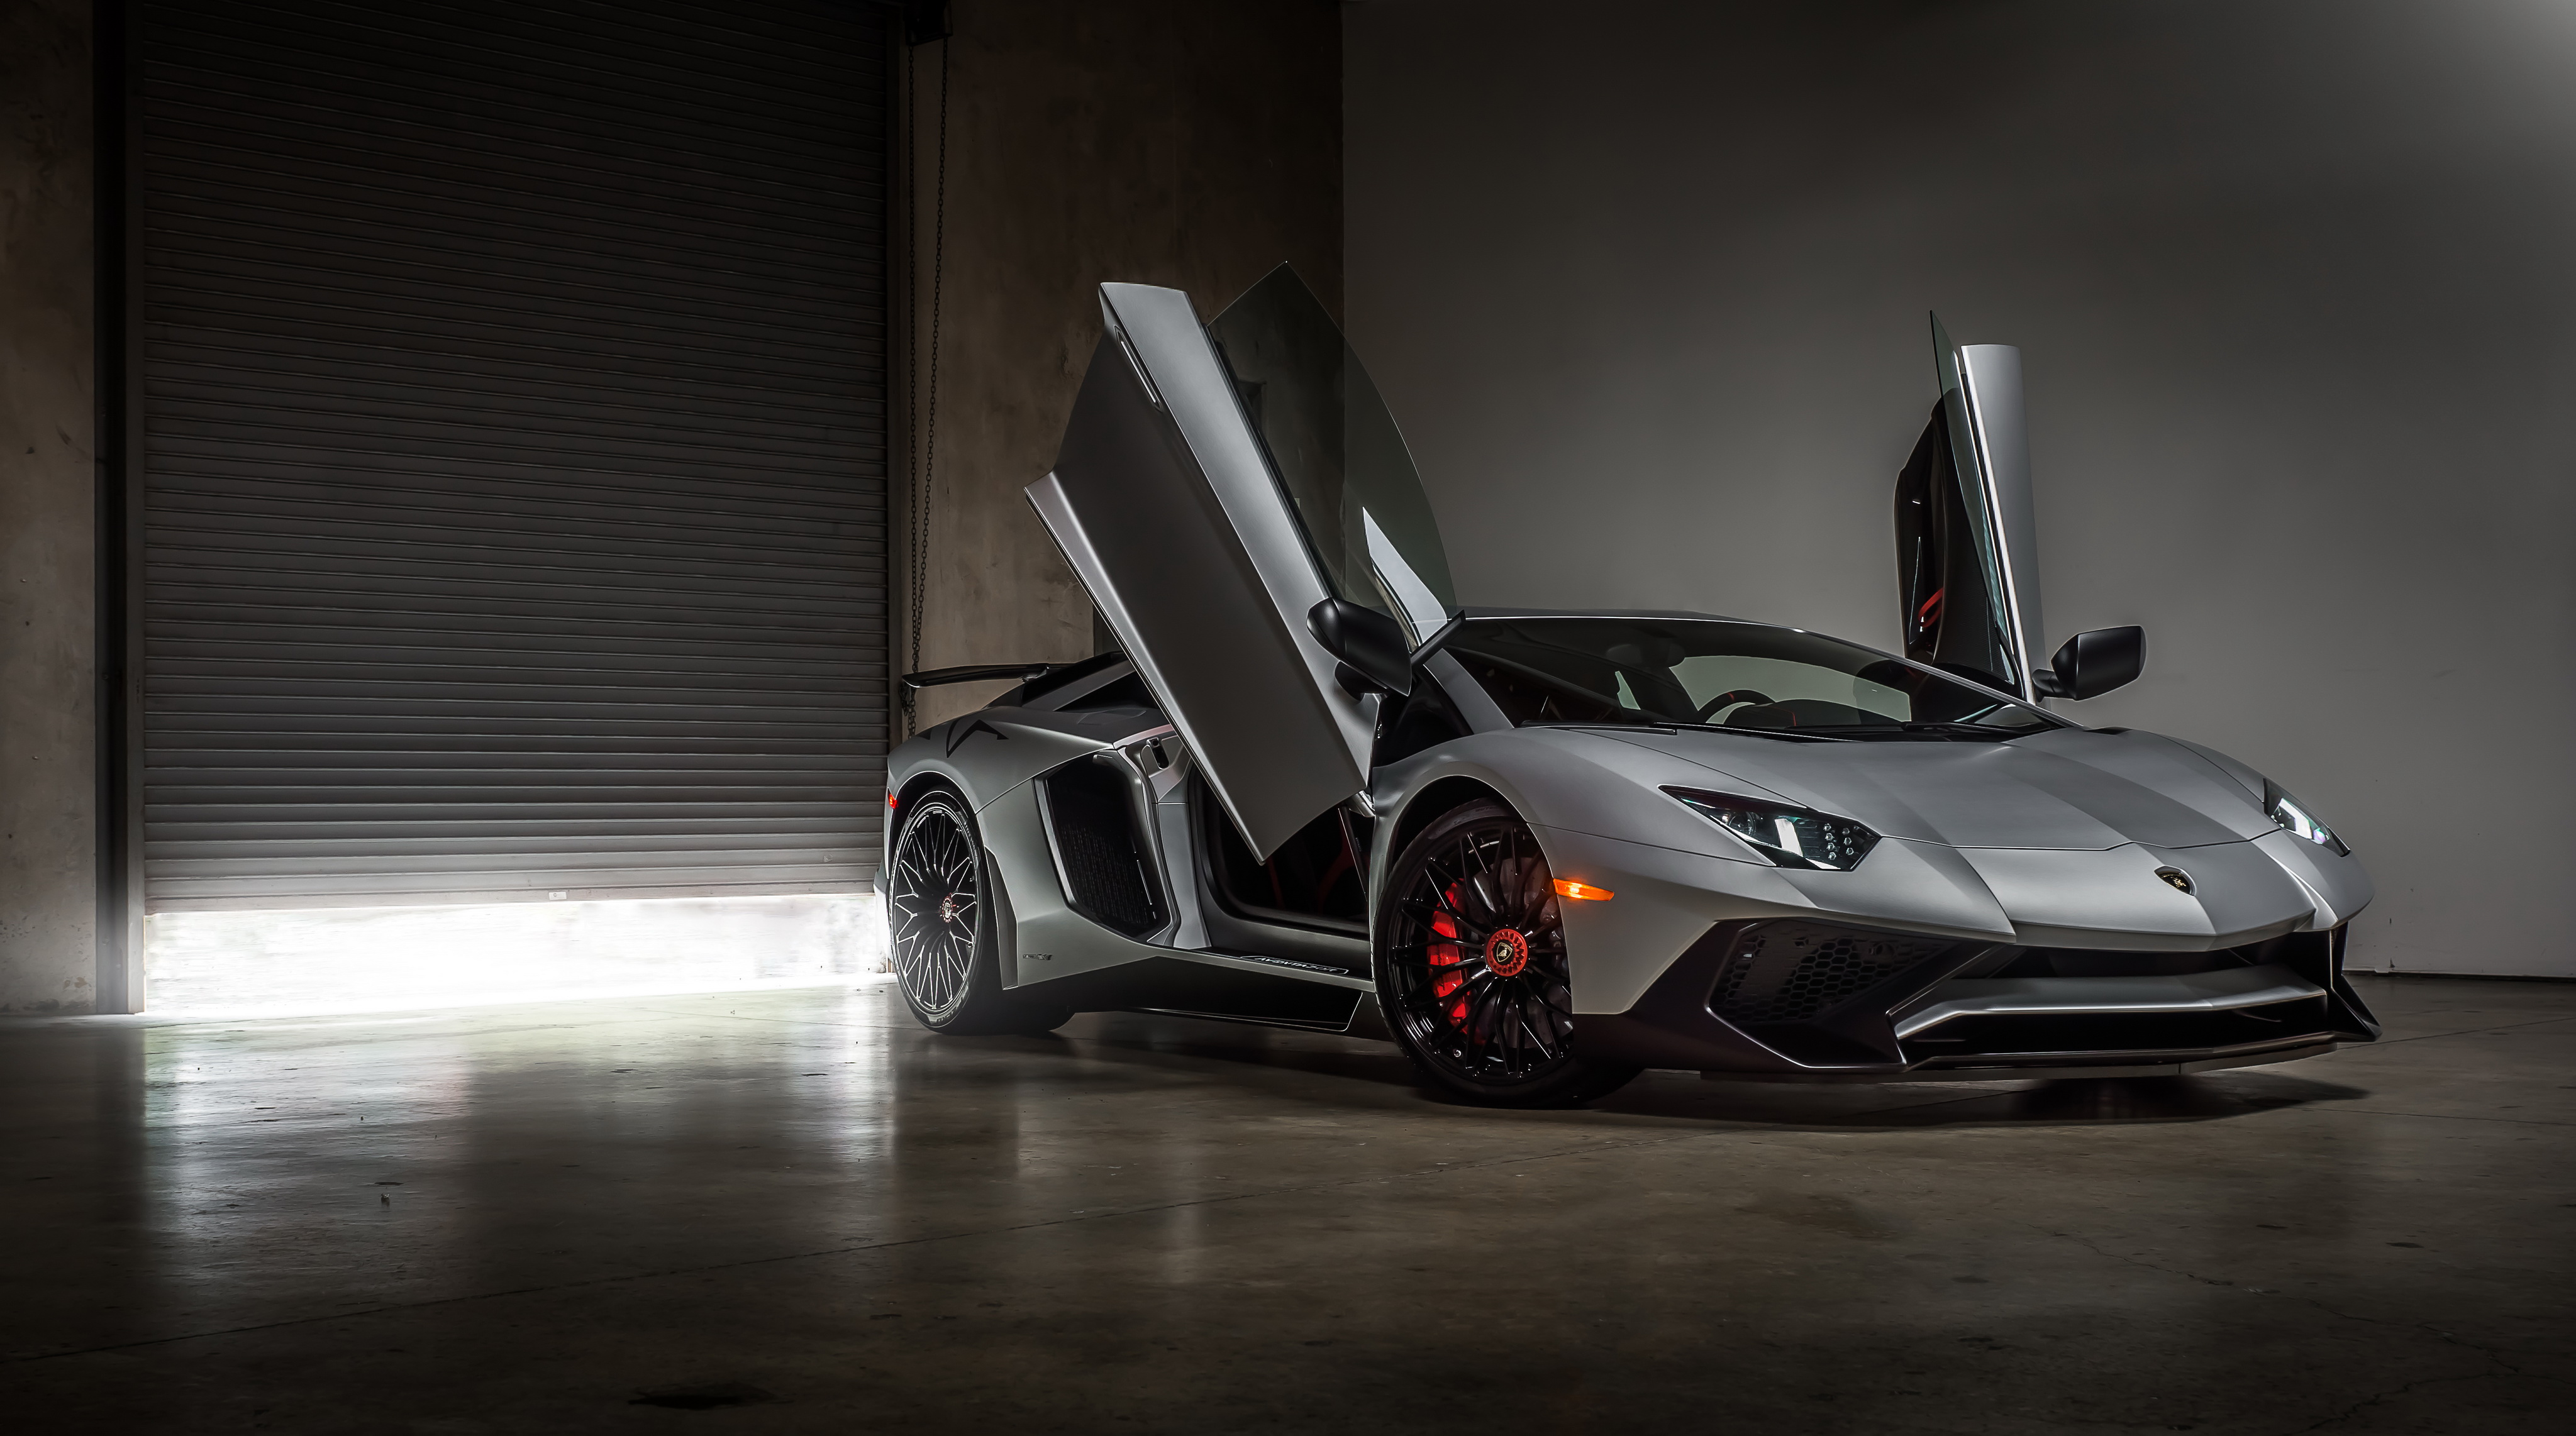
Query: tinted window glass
1336, 452
1718, 673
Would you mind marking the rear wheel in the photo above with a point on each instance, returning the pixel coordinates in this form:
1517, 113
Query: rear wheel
942, 927
1472, 965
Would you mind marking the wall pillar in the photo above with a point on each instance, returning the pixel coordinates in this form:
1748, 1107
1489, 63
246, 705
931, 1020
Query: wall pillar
1139, 140
48, 840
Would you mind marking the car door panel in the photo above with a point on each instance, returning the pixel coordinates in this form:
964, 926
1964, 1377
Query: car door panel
1966, 531
1166, 510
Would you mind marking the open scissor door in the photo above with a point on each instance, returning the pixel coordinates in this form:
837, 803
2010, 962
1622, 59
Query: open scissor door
1215, 485
1966, 540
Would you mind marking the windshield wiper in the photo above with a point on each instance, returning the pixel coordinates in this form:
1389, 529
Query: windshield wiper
1942, 729
1676, 725
1667, 725
1794, 735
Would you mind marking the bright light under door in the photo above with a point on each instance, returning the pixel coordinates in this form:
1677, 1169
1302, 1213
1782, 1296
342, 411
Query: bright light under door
381, 959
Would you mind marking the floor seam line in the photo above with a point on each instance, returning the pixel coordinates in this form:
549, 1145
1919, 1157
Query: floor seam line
2439, 1116
2456, 1032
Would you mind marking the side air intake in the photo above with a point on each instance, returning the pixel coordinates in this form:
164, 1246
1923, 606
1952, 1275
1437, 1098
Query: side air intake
1091, 812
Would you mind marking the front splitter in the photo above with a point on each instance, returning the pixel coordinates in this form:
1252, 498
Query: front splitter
2049, 1066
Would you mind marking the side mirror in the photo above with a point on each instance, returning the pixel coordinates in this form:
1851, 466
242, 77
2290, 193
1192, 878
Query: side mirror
2092, 664
1375, 656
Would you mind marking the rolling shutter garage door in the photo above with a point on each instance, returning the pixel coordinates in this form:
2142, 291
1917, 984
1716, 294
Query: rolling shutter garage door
514, 454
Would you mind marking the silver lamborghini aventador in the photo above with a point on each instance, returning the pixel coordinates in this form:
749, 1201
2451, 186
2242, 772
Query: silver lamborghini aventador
1543, 850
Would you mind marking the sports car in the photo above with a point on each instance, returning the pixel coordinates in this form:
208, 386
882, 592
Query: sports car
1543, 850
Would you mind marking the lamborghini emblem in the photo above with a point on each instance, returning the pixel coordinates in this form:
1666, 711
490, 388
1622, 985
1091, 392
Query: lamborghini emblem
2180, 880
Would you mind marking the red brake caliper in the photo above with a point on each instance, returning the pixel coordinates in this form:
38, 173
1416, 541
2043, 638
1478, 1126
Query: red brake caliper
1445, 953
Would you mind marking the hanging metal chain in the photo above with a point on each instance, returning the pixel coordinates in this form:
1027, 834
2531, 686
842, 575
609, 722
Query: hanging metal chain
924, 418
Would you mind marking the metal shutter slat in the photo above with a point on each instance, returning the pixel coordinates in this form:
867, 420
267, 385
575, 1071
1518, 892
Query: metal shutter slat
515, 458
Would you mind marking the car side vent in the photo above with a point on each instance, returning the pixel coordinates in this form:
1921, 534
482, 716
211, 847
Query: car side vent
1795, 971
1091, 814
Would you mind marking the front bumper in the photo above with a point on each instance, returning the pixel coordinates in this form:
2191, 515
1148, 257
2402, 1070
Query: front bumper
1796, 997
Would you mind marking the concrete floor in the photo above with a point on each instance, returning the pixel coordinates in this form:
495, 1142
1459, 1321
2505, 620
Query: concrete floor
797, 1211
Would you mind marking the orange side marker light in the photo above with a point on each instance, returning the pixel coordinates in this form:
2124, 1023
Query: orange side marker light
1583, 892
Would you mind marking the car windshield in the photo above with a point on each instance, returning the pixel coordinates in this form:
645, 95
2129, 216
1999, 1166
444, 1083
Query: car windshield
1723, 674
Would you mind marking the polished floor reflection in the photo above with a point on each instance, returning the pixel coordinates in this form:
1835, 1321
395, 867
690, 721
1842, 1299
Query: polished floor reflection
796, 1211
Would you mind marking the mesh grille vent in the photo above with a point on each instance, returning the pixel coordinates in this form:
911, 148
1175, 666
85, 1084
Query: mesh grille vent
1095, 832
1792, 971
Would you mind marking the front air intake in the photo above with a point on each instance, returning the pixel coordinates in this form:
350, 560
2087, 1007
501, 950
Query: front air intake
1784, 972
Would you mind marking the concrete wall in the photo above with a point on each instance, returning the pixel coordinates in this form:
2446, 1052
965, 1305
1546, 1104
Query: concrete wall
1155, 141
48, 877
2293, 289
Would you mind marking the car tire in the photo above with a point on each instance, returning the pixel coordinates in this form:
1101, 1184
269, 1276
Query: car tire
943, 932
1472, 968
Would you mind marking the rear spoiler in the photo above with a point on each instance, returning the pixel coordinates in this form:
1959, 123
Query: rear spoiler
981, 672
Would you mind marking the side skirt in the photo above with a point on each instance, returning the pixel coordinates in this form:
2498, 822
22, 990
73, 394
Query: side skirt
1210, 985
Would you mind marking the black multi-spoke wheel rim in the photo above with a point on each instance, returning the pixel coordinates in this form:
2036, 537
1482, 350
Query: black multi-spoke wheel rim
1477, 960
934, 900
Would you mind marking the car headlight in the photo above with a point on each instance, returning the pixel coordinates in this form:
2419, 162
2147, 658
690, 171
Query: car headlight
2294, 819
1789, 837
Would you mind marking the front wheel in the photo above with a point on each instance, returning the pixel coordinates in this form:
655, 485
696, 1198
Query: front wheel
1472, 966
940, 921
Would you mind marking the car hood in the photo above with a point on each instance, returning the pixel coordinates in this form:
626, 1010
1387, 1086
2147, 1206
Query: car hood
2063, 788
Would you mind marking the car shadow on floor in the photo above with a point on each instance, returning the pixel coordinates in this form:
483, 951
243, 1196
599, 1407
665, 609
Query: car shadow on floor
1376, 1076
1170, 1041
